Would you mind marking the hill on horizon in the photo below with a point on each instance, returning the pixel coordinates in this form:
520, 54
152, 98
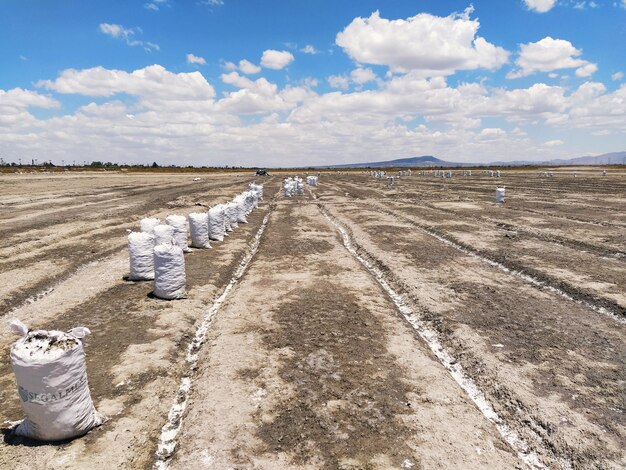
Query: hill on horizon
426, 161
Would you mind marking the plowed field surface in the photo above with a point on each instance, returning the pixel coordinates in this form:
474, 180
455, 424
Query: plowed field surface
356, 326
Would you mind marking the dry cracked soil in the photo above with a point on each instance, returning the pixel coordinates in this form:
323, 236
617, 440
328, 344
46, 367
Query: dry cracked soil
356, 326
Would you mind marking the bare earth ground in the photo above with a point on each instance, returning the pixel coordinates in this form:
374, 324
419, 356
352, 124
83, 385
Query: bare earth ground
309, 363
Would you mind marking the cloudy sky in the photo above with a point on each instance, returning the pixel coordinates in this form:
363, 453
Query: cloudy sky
286, 83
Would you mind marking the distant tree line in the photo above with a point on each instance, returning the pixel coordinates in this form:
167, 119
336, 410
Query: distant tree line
106, 165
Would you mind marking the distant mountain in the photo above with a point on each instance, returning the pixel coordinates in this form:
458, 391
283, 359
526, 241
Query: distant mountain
614, 158
412, 162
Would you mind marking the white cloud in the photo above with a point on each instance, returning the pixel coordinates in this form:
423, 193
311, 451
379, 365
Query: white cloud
586, 70
20, 98
258, 96
153, 80
248, 67
583, 5
276, 60
127, 35
593, 107
155, 5
177, 118
540, 6
550, 54
239, 81
339, 81
309, 49
115, 30
362, 76
310, 82
194, 59
553, 143
244, 66
617, 75
490, 134
553, 75
212, 3
432, 44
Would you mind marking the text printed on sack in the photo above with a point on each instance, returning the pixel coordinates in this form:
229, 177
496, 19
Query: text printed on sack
43, 398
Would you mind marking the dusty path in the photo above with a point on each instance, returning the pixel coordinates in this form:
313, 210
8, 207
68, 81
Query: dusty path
309, 365
135, 353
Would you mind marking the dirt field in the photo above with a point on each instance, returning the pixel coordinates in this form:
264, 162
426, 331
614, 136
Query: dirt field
355, 327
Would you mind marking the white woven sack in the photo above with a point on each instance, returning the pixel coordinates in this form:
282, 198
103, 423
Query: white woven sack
299, 185
179, 222
289, 187
163, 234
256, 195
199, 229
251, 201
147, 225
257, 188
231, 214
169, 272
216, 224
225, 218
51, 376
219, 209
500, 195
140, 246
241, 209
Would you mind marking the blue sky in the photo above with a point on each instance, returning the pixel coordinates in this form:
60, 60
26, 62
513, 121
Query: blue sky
238, 82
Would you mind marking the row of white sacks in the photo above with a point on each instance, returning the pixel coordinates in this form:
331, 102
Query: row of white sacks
49, 365
156, 252
450, 173
444, 173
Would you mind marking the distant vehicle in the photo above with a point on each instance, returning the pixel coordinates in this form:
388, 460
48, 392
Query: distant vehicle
262, 172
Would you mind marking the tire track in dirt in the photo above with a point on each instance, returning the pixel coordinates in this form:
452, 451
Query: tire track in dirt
534, 232
308, 365
528, 274
170, 430
577, 359
431, 337
577, 194
534, 277
424, 190
550, 238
